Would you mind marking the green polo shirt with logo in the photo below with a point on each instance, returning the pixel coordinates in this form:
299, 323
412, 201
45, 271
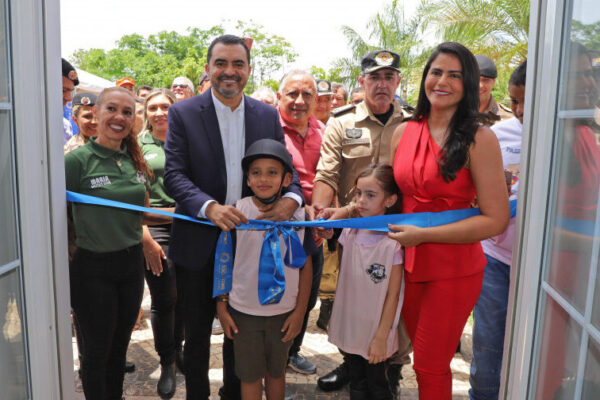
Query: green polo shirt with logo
99, 171
153, 150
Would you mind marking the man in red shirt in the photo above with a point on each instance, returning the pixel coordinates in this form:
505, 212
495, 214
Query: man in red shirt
303, 133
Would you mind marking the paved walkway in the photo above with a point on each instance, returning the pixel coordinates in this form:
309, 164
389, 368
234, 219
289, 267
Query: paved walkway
141, 384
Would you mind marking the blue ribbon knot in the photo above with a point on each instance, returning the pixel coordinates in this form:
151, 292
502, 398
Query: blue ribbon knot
271, 275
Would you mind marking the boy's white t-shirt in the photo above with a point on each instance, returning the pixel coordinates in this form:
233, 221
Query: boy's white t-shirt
509, 133
244, 290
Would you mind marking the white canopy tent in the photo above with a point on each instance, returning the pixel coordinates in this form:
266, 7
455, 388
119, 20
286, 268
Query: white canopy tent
89, 82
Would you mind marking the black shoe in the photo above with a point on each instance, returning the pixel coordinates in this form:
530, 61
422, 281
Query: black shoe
324, 313
335, 380
179, 361
129, 367
167, 383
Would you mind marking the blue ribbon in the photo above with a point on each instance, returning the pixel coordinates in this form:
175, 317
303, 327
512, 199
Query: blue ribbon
271, 285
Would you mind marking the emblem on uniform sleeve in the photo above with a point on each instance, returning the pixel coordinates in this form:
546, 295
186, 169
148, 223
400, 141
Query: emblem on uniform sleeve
376, 272
353, 133
384, 58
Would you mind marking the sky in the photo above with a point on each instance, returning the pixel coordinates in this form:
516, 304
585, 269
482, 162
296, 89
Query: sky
311, 26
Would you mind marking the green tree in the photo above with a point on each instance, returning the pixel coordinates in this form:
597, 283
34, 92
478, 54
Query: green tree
270, 54
588, 35
154, 60
157, 59
496, 28
388, 29
332, 75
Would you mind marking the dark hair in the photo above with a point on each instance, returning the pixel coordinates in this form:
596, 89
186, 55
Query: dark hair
143, 87
384, 173
465, 121
130, 140
227, 40
334, 88
518, 76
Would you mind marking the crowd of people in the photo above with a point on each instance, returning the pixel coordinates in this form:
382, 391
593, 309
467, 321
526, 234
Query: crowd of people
311, 150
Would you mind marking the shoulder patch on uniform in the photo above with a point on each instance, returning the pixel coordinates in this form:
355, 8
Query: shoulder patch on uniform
343, 110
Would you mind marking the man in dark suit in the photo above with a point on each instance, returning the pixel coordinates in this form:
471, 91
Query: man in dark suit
207, 137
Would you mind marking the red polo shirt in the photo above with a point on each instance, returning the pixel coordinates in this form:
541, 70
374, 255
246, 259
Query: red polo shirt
305, 152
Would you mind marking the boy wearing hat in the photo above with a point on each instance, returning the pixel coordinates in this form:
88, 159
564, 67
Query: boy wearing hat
262, 328
69, 81
84, 118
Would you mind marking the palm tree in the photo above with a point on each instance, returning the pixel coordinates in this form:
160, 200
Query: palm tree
496, 28
386, 30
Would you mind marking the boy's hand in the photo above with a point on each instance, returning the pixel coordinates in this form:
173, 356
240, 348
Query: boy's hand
292, 325
377, 350
226, 321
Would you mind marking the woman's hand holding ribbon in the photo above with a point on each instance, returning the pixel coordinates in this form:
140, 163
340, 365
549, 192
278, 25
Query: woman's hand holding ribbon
406, 235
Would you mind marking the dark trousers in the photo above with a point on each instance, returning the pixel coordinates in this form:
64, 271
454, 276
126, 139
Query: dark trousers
163, 292
199, 315
369, 379
106, 294
317, 264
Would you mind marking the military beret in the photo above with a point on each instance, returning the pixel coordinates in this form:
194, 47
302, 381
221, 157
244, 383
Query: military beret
323, 87
487, 67
84, 99
379, 59
68, 71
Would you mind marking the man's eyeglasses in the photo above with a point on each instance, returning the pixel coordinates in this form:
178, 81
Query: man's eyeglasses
179, 86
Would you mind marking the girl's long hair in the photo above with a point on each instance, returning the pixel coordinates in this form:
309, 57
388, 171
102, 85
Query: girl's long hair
465, 122
130, 140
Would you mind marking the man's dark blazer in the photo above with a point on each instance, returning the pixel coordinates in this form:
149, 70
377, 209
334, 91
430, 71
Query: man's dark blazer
195, 169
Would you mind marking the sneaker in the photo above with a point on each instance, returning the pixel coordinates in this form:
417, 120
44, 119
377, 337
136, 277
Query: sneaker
301, 365
217, 329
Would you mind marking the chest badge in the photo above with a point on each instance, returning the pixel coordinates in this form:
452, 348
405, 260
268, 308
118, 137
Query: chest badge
376, 272
353, 133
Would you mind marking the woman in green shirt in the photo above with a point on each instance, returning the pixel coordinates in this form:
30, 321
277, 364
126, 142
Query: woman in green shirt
167, 324
106, 270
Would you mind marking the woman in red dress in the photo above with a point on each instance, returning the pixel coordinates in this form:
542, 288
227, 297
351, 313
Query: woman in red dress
444, 159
